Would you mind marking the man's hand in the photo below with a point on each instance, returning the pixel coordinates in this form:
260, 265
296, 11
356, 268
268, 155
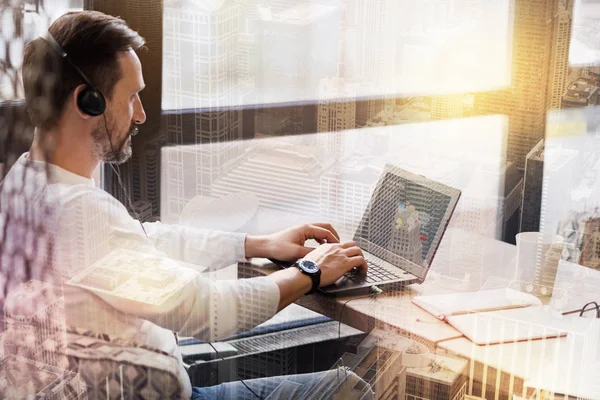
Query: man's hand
288, 245
337, 259
334, 259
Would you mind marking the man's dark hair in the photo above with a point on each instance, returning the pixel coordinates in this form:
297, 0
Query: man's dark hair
92, 41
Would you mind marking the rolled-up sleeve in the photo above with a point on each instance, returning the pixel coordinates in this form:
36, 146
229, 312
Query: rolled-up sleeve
205, 309
106, 252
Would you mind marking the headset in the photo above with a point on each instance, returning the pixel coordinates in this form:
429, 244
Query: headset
91, 102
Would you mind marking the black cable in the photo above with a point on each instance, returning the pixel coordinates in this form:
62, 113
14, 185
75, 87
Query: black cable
119, 180
373, 292
595, 305
128, 198
236, 373
342, 313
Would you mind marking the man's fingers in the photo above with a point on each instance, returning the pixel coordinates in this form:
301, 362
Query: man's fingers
330, 228
353, 251
347, 245
303, 251
359, 262
321, 234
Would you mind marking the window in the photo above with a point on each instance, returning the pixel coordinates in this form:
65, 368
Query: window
36, 18
393, 48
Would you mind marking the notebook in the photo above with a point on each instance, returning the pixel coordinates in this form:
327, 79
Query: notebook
496, 316
512, 325
446, 305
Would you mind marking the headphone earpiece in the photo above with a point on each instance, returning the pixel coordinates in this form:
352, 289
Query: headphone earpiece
91, 101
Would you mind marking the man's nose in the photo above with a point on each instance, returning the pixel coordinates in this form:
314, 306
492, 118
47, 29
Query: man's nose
139, 116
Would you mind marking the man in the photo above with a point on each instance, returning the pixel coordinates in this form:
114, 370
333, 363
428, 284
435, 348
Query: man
73, 134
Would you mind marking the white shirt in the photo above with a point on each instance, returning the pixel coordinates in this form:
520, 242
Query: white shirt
91, 225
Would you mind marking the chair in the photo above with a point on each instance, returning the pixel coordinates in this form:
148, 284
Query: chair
37, 341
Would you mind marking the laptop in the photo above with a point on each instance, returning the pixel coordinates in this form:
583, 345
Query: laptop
399, 233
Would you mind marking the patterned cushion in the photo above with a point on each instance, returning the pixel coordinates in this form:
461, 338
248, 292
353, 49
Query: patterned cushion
36, 338
115, 340
110, 368
120, 369
23, 378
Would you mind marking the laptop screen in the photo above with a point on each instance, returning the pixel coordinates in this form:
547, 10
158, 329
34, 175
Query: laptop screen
406, 219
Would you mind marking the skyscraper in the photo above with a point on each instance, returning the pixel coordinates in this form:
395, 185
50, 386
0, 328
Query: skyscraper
448, 106
345, 193
145, 17
369, 43
207, 77
367, 53
532, 189
282, 121
538, 73
121, 187
443, 379
202, 69
150, 173
581, 93
201, 56
336, 110
559, 63
590, 253
142, 210
367, 109
511, 202
189, 171
294, 42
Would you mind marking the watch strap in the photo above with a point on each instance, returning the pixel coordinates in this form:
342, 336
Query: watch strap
316, 281
314, 276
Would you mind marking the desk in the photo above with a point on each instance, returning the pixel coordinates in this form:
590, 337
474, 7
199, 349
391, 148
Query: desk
396, 310
494, 371
560, 365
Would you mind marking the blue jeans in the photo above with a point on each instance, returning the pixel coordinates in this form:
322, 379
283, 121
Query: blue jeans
317, 385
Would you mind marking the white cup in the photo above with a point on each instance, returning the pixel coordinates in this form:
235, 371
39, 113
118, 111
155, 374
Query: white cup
537, 259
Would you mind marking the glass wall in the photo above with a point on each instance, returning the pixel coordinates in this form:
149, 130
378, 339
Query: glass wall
267, 114
26, 22
276, 52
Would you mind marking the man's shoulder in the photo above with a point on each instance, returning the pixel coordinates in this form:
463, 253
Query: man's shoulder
83, 195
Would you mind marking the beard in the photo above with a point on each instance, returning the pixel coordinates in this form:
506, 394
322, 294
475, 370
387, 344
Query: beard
106, 147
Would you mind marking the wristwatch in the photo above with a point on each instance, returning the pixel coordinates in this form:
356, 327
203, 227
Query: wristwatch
311, 269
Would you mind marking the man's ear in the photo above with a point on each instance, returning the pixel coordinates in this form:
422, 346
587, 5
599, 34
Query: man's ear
76, 92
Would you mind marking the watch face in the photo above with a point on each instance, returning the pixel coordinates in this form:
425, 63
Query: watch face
309, 266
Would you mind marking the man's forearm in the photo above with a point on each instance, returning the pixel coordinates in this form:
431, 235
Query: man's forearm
256, 246
292, 284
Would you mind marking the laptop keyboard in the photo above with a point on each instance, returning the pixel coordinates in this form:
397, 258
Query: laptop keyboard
376, 273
